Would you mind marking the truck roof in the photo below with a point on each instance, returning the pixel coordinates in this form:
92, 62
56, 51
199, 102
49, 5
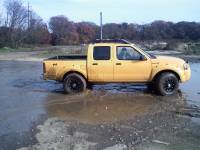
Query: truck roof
110, 44
117, 41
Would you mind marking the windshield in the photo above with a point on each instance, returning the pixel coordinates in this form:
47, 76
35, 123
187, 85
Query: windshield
149, 54
146, 53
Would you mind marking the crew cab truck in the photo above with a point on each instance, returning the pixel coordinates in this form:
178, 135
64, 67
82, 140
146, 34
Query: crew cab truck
117, 61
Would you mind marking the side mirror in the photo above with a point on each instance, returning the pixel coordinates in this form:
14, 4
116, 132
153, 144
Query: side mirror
142, 57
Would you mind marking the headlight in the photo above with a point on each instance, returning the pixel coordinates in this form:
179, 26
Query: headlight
186, 66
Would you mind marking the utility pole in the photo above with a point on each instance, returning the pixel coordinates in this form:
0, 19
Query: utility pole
6, 23
101, 24
31, 15
28, 16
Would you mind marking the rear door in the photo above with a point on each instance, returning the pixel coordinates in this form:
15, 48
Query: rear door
101, 65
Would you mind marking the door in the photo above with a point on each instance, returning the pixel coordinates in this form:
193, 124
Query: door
130, 65
101, 65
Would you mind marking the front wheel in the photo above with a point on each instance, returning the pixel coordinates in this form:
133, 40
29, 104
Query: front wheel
74, 83
167, 84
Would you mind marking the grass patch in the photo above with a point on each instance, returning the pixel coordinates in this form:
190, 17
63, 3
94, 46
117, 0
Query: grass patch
193, 48
7, 49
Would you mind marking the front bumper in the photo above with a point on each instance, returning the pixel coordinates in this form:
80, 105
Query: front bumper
186, 75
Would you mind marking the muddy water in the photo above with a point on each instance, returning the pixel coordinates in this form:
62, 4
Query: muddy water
192, 88
96, 107
100, 107
27, 101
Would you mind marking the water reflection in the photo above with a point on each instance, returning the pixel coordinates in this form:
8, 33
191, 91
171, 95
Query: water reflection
108, 103
192, 87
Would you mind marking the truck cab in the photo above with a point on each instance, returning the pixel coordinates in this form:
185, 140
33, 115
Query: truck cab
110, 61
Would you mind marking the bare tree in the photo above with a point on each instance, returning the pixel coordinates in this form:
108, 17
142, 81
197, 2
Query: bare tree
17, 14
38, 31
16, 21
1, 19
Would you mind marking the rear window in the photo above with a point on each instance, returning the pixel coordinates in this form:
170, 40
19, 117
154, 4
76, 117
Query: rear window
101, 53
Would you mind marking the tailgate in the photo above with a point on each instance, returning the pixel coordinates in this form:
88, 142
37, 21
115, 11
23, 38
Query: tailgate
50, 69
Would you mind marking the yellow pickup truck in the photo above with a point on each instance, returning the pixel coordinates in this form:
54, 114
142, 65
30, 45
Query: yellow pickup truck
117, 61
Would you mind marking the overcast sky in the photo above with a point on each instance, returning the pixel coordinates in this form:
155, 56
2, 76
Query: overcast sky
131, 11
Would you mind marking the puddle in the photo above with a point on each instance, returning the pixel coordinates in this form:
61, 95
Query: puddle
100, 106
192, 87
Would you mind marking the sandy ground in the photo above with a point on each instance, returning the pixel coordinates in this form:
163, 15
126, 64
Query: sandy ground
37, 115
21, 56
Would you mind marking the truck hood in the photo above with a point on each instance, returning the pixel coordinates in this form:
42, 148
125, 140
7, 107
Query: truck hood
168, 60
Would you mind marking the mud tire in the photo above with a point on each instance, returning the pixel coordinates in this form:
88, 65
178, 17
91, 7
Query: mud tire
166, 84
74, 83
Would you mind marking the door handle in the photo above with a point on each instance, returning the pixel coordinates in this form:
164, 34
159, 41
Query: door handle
95, 64
54, 64
118, 64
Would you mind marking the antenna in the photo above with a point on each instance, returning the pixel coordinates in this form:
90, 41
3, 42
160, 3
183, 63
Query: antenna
101, 24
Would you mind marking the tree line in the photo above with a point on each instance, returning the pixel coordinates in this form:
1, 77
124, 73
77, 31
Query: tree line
19, 27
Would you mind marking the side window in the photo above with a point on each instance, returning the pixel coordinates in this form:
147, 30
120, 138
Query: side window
127, 53
101, 53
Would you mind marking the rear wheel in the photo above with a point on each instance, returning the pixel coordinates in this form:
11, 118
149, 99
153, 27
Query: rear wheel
74, 83
167, 84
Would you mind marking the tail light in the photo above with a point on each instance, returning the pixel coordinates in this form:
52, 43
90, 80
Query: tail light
44, 68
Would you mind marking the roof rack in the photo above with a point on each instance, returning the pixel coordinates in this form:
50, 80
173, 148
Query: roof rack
122, 41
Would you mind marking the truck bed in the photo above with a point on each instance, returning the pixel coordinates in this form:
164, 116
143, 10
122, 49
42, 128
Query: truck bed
56, 67
69, 57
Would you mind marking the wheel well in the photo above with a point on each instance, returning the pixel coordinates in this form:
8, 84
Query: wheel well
165, 71
66, 74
